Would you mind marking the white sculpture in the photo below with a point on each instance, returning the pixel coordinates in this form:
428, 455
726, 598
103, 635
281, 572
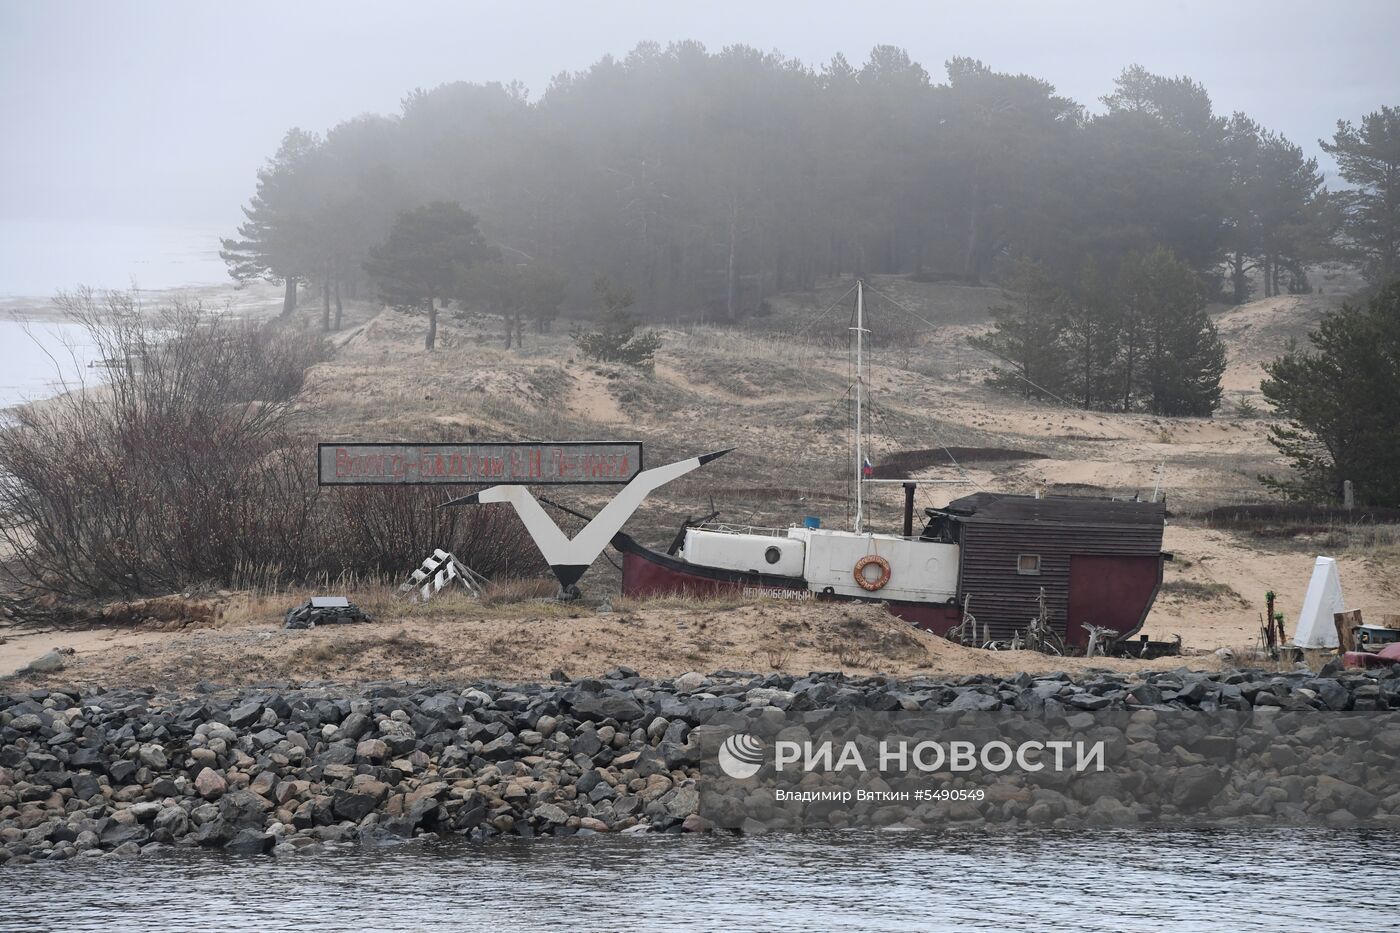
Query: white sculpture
1315, 626
567, 557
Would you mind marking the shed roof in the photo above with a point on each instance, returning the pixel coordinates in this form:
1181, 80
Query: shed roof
1054, 510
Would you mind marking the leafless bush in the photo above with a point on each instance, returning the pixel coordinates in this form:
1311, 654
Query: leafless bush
183, 356
389, 530
188, 466
852, 656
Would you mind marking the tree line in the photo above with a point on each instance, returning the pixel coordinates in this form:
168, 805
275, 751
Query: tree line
708, 181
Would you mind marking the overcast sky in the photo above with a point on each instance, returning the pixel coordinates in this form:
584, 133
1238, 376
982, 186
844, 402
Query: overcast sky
161, 112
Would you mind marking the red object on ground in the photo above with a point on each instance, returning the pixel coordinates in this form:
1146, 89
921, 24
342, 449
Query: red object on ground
1387, 656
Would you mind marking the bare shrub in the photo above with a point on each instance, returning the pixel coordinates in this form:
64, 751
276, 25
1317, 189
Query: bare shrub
852, 656
390, 529
135, 485
189, 466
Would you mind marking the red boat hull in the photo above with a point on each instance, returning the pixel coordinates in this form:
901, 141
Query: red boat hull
647, 574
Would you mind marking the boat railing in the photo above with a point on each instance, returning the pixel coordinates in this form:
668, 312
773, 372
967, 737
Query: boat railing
733, 529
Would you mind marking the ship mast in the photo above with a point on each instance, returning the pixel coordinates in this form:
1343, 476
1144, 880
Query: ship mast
860, 399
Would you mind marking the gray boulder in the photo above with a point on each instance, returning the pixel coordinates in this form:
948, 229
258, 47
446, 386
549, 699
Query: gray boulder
243, 808
610, 706
251, 842
48, 663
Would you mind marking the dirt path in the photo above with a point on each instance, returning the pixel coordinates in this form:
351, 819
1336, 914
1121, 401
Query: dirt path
17, 650
592, 398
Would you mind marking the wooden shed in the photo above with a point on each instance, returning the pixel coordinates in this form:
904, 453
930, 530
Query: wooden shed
1099, 560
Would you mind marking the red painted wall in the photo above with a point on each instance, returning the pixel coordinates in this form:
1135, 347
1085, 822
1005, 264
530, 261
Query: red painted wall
1111, 591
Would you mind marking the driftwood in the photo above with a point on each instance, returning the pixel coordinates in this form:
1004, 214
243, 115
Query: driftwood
1346, 623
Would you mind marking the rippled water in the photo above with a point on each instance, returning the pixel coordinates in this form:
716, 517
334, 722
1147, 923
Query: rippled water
1281, 880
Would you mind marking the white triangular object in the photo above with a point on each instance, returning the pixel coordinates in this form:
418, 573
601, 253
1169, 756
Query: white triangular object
1315, 626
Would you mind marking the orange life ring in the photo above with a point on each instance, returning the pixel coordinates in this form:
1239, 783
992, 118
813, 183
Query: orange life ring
866, 583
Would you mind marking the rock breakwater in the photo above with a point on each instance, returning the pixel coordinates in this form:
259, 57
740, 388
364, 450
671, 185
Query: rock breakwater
287, 769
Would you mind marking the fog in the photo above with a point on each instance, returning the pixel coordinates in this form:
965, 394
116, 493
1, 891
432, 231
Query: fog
161, 112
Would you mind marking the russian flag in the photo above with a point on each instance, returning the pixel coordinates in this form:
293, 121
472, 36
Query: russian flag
866, 467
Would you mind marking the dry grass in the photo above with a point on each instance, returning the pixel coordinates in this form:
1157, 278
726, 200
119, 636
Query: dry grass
510, 599
1204, 591
1379, 543
1282, 527
776, 392
682, 602
780, 401
526, 641
513, 592
1255, 656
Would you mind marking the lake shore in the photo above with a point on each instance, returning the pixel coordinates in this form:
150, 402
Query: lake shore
257, 300
45, 352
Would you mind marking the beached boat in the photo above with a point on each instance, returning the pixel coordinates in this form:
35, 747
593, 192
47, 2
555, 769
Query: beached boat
1069, 562
1009, 559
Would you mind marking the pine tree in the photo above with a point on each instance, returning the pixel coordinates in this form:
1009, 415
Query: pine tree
1091, 339
1160, 172
1289, 209
1369, 158
615, 339
424, 257
1182, 355
517, 292
1028, 334
276, 240
1242, 145
1341, 406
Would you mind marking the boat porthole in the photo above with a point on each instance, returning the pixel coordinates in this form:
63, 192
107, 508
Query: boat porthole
773, 555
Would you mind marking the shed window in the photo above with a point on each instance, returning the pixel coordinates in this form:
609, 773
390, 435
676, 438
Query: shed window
1028, 564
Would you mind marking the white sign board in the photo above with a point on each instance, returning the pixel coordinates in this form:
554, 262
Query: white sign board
539, 464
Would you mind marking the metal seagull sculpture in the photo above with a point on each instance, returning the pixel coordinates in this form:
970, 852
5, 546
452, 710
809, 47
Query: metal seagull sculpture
569, 557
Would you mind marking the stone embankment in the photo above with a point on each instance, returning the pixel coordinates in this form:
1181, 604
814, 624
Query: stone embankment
285, 769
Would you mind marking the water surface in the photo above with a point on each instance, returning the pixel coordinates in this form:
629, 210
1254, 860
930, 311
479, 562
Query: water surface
38, 258
1276, 880
37, 359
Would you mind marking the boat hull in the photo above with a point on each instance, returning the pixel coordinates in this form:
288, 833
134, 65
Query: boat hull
650, 574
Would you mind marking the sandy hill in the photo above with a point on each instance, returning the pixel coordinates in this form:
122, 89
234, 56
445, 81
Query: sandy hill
778, 392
